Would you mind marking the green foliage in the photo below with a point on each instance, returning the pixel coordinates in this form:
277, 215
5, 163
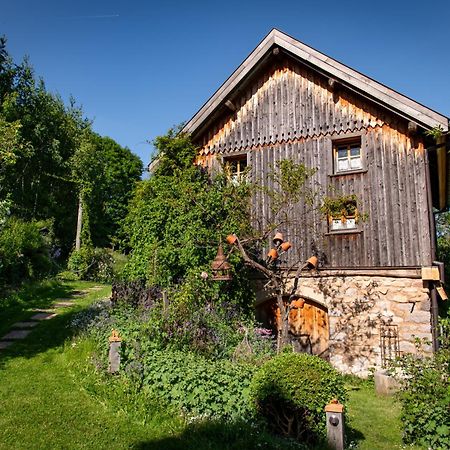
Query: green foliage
200, 388
90, 263
178, 216
339, 206
435, 132
24, 250
49, 155
108, 204
425, 395
291, 390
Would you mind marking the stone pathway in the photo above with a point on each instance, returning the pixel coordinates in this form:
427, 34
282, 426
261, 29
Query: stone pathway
20, 330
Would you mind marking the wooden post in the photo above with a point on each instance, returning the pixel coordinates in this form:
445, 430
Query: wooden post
115, 342
335, 425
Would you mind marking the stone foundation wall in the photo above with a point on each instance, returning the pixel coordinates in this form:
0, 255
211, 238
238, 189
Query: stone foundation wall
357, 308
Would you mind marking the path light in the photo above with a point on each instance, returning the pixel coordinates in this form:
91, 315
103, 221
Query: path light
278, 239
221, 268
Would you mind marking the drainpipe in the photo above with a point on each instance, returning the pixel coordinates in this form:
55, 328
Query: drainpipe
434, 303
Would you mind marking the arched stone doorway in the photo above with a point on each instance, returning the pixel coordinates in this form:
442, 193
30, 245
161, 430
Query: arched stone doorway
308, 324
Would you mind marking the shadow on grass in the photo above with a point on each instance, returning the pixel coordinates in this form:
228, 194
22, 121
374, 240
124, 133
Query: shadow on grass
17, 305
220, 435
230, 436
48, 334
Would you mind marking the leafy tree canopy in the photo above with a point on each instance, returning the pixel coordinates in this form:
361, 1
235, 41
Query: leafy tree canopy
179, 215
49, 155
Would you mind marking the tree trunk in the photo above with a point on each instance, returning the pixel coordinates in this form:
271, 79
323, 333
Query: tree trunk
79, 223
283, 331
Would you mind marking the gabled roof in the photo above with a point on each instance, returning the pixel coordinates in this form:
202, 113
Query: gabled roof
377, 92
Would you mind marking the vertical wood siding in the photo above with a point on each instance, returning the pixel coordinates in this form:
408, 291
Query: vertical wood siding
291, 112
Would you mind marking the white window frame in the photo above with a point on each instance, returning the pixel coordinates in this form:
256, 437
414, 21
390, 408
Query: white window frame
349, 160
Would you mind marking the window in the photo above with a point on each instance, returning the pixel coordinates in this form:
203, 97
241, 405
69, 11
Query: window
342, 223
235, 167
347, 155
343, 214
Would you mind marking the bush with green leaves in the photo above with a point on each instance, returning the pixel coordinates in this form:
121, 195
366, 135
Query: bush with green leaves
199, 387
25, 250
178, 216
90, 263
291, 390
425, 394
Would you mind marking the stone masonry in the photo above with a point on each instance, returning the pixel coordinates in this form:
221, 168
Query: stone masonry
358, 306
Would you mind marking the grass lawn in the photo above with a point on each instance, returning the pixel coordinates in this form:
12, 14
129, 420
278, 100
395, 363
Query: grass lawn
375, 419
52, 398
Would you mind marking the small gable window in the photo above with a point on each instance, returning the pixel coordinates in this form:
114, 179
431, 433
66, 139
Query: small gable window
347, 155
235, 167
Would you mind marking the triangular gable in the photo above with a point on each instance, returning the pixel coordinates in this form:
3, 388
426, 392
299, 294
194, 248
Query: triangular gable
346, 76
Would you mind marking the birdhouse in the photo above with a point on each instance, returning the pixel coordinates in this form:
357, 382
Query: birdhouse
221, 268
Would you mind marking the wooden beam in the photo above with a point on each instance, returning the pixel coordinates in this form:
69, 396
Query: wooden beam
412, 127
230, 105
442, 171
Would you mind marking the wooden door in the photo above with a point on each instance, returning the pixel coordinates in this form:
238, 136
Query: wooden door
308, 324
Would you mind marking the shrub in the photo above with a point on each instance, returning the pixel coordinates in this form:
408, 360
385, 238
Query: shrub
291, 390
425, 395
199, 387
90, 263
24, 250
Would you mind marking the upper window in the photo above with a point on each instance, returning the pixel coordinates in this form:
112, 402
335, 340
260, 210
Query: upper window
235, 167
347, 156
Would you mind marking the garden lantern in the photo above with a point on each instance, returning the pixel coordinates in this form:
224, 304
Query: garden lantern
221, 268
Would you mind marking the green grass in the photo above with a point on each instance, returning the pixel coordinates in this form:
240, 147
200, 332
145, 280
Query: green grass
51, 396
375, 420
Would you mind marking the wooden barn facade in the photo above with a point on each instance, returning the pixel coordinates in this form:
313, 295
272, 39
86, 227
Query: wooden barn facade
376, 285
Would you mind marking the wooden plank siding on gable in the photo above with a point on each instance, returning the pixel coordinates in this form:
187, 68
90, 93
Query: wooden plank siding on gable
288, 111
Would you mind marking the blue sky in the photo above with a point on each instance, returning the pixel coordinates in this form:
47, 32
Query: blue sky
140, 67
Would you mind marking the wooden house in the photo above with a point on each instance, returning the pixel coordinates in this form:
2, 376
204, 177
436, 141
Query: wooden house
377, 284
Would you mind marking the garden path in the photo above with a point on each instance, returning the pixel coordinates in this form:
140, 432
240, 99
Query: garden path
20, 330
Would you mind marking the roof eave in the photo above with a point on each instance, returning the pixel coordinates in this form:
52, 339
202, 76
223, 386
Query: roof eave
398, 103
